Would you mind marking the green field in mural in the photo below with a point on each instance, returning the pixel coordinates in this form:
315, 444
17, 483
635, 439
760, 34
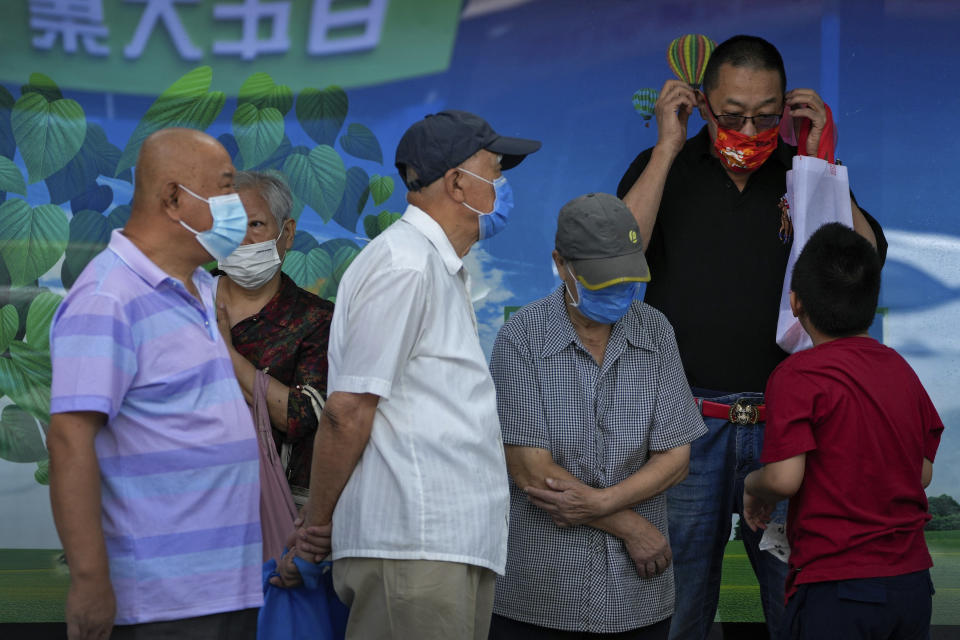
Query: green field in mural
33, 583
740, 594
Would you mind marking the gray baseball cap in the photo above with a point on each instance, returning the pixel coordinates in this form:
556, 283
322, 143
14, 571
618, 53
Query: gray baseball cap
598, 235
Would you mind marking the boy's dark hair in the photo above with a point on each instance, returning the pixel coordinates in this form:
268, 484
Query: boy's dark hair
837, 279
744, 51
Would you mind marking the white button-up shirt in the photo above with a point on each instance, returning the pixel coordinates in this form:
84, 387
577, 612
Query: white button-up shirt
432, 481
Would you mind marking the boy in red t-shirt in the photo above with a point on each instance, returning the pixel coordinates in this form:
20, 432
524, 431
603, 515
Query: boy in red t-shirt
850, 438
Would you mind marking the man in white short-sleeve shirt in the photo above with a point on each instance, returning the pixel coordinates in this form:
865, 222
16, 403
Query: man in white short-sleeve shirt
408, 461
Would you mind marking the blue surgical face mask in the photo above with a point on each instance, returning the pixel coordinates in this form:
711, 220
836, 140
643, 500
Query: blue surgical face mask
493, 222
606, 305
229, 224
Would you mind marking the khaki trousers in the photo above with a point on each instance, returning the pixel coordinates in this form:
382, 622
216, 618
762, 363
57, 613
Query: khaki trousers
414, 599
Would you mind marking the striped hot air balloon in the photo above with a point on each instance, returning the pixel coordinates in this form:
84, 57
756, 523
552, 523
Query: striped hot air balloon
688, 57
643, 102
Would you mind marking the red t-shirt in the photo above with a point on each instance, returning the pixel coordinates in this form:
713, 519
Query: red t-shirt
859, 412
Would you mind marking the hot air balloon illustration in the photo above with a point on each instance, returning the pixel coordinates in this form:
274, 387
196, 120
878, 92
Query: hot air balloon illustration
643, 101
688, 57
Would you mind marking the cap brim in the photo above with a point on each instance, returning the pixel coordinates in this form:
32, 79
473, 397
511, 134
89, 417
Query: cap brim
513, 150
598, 273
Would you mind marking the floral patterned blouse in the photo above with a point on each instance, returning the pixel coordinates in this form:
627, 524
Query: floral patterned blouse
288, 337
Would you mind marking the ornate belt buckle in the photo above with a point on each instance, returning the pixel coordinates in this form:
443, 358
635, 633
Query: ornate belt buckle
742, 412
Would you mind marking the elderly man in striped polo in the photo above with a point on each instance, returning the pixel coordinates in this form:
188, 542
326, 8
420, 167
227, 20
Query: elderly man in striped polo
153, 460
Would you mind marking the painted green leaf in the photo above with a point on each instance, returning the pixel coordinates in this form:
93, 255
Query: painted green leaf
318, 179
230, 144
261, 91
381, 188
42, 85
20, 439
295, 266
89, 235
297, 208
9, 323
276, 159
31, 240
310, 270
118, 216
38, 319
188, 102
361, 143
8, 145
333, 245
23, 379
10, 177
371, 226
355, 196
342, 259
341, 252
48, 134
321, 113
42, 474
387, 218
97, 198
304, 241
258, 133
98, 156
319, 270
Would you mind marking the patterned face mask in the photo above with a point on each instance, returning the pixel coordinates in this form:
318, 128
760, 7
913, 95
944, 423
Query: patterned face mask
742, 153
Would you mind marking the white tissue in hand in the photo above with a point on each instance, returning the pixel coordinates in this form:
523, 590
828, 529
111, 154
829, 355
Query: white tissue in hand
774, 540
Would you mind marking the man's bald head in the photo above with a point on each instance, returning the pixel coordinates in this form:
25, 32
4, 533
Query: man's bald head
178, 156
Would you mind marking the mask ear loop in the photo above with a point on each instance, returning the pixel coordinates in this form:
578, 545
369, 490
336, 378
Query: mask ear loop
575, 303
207, 200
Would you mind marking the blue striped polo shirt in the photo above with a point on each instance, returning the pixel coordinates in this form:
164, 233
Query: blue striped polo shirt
178, 454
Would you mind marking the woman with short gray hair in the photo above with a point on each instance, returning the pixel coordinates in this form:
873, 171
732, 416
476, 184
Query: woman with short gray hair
272, 325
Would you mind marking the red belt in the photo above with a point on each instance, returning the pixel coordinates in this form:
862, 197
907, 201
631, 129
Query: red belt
740, 412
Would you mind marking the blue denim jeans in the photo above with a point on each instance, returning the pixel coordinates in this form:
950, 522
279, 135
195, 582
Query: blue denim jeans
699, 512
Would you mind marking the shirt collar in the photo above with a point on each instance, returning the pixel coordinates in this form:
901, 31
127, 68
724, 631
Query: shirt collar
431, 229
560, 332
147, 269
704, 146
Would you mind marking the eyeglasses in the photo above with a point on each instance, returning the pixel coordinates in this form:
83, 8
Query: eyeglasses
762, 122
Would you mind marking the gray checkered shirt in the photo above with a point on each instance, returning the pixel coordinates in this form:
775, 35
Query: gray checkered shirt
599, 423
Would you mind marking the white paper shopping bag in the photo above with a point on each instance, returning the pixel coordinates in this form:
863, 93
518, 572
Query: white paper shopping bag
818, 192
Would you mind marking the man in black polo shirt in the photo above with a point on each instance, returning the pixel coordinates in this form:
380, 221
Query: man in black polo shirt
717, 251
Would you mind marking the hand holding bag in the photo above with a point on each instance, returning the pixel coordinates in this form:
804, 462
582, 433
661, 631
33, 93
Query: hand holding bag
308, 612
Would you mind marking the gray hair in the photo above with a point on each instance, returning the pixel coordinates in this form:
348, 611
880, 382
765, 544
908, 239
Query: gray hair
272, 187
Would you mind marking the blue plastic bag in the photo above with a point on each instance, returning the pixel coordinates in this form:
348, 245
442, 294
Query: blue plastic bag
309, 612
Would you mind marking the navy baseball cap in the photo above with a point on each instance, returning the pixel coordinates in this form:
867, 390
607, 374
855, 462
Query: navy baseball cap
441, 141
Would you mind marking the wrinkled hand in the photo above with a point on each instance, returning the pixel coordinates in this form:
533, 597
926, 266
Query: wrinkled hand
289, 575
91, 609
672, 109
756, 512
649, 549
313, 543
569, 503
805, 103
224, 324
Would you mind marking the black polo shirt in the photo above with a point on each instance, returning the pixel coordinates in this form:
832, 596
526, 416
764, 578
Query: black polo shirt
717, 264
